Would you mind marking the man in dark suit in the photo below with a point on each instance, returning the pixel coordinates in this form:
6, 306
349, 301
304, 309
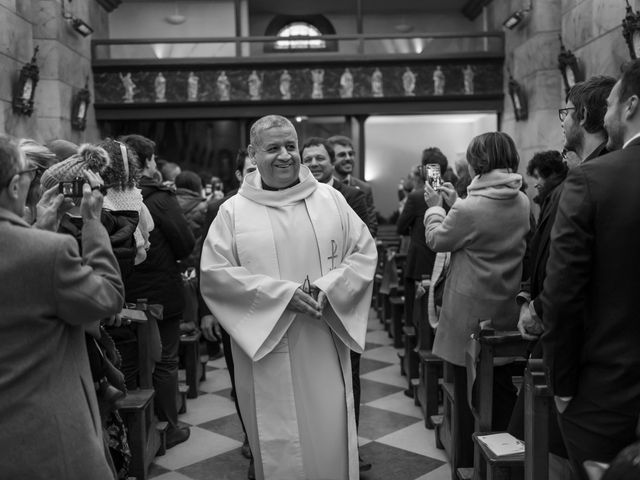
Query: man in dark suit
343, 169
590, 317
51, 295
318, 155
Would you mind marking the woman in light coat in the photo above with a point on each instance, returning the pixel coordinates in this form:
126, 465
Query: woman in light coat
485, 233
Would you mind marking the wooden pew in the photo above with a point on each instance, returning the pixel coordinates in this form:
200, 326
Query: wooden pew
538, 406
493, 345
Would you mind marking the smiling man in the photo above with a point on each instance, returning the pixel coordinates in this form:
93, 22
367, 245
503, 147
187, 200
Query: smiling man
287, 268
343, 172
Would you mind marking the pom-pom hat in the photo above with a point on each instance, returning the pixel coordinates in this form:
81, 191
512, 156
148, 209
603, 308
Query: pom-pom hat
89, 157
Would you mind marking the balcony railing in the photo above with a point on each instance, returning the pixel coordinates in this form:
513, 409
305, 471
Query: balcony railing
216, 50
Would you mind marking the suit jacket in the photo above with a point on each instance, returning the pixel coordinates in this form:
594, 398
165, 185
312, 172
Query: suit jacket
356, 199
372, 222
49, 415
592, 328
420, 258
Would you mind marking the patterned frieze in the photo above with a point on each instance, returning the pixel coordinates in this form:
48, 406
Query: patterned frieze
234, 83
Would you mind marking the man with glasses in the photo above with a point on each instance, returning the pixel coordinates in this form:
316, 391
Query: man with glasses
591, 328
582, 118
343, 169
51, 294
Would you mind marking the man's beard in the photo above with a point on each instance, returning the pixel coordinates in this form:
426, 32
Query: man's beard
573, 140
341, 170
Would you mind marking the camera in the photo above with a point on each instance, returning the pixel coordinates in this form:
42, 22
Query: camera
72, 189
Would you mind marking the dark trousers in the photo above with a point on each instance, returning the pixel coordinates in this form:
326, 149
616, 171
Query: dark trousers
504, 398
592, 433
409, 298
228, 358
355, 380
165, 374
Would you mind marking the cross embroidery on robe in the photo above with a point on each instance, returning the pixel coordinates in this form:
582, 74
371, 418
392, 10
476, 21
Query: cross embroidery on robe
334, 254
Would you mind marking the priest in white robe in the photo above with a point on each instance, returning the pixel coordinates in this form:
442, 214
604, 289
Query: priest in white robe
291, 348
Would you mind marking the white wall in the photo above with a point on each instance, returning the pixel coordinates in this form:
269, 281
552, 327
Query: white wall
394, 144
148, 20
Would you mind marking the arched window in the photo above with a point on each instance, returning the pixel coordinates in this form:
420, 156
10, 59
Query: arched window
311, 26
299, 29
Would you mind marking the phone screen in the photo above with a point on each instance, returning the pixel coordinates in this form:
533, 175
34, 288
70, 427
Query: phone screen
433, 175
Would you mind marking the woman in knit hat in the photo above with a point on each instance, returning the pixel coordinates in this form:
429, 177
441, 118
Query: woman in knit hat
121, 178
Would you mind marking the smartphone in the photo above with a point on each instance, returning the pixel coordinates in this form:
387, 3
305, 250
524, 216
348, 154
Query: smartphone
432, 175
72, 189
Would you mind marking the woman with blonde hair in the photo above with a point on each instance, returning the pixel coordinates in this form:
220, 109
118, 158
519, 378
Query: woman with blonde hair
485, 233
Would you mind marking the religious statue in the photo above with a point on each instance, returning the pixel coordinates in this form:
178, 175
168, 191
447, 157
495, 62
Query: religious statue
129, 87
376, 83
192, 87
160, 85
346, 84
438, 81
255, 86
409, 82
318, 78
468, 80
223, 87
285, 85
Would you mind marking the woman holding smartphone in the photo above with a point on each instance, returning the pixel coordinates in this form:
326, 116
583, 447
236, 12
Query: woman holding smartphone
485, 233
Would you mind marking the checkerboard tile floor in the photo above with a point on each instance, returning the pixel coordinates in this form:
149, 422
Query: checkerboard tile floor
392, 435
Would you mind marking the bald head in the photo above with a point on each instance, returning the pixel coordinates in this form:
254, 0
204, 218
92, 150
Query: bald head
265, 123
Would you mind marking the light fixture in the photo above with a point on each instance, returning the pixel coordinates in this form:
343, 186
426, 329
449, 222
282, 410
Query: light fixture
518, 99
177, 18
79, 25
631, 31
516, 17
80, 107
568, 65
25, 90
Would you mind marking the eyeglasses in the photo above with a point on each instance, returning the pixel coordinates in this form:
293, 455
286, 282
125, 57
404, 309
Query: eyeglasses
33, 171
563, 112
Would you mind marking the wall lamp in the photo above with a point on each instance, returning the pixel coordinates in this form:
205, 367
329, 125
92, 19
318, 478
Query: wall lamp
79, 25
631, 31
516, 17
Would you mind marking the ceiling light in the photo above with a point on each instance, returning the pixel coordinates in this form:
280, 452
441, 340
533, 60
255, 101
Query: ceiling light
175, 19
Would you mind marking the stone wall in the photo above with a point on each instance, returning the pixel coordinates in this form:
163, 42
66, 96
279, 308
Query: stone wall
64, 61
591, 29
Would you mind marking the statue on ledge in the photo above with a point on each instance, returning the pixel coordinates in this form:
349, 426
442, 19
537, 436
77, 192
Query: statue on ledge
438, 81
376, 83
255, 86
129, 87
160, 86
318, 79
468, 80
192, 87
409, 82
285, 85
223, 87
346, 84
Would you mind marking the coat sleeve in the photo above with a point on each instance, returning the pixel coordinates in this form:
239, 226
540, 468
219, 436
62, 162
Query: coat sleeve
251, 307
565, 286
359, 205
372, 215
448, 232
173, 224
87, 288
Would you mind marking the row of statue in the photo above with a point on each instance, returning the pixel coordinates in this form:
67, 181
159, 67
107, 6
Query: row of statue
254, 84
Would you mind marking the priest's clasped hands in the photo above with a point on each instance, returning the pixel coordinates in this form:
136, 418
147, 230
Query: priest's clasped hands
303, 300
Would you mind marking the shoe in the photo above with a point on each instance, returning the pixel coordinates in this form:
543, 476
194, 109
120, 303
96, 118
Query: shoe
246, 449
251, 474
408, 392
364, 466
176, 436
